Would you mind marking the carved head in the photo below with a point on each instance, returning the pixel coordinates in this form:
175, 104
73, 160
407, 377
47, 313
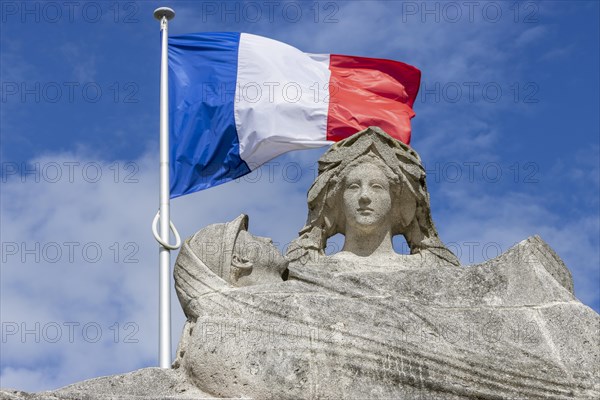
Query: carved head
367, 196
255, 261
222, 255
394, 173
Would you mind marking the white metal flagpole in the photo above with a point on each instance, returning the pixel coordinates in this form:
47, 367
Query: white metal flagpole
164, 14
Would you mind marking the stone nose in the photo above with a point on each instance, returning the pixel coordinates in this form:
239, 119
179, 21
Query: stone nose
364, 197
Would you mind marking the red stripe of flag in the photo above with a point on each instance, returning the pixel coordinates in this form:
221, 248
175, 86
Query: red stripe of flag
371, 92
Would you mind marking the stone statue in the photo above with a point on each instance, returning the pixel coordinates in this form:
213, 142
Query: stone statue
367, 322
370, 187
218, 257
222, 256
370, 323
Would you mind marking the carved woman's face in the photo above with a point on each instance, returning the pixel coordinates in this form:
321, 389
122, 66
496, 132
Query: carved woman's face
367, 199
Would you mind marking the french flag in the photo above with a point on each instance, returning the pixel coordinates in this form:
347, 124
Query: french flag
238, 100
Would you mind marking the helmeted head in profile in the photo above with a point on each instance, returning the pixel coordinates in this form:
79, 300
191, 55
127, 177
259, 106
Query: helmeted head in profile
368, 185
222, 256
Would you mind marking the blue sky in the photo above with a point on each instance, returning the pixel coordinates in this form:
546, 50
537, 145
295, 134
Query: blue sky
507, 125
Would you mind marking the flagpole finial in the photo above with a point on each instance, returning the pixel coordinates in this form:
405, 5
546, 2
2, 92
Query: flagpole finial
166, 12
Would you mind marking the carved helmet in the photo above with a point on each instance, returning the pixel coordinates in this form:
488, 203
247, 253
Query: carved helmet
211, 247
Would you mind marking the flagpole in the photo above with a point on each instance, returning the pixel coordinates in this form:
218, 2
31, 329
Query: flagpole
164, 14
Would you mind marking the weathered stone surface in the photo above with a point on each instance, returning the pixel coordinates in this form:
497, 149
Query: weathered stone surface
503, 329
370, 323
146, 383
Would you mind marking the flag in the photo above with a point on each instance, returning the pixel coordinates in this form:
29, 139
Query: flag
238, 100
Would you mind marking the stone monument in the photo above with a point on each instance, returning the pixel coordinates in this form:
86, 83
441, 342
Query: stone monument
368, 323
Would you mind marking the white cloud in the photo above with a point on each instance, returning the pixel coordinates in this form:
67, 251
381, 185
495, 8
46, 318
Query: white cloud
63, 224
558, 53
83, 63
531, 36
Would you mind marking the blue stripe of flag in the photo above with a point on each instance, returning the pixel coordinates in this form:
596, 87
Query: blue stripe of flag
204, 145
